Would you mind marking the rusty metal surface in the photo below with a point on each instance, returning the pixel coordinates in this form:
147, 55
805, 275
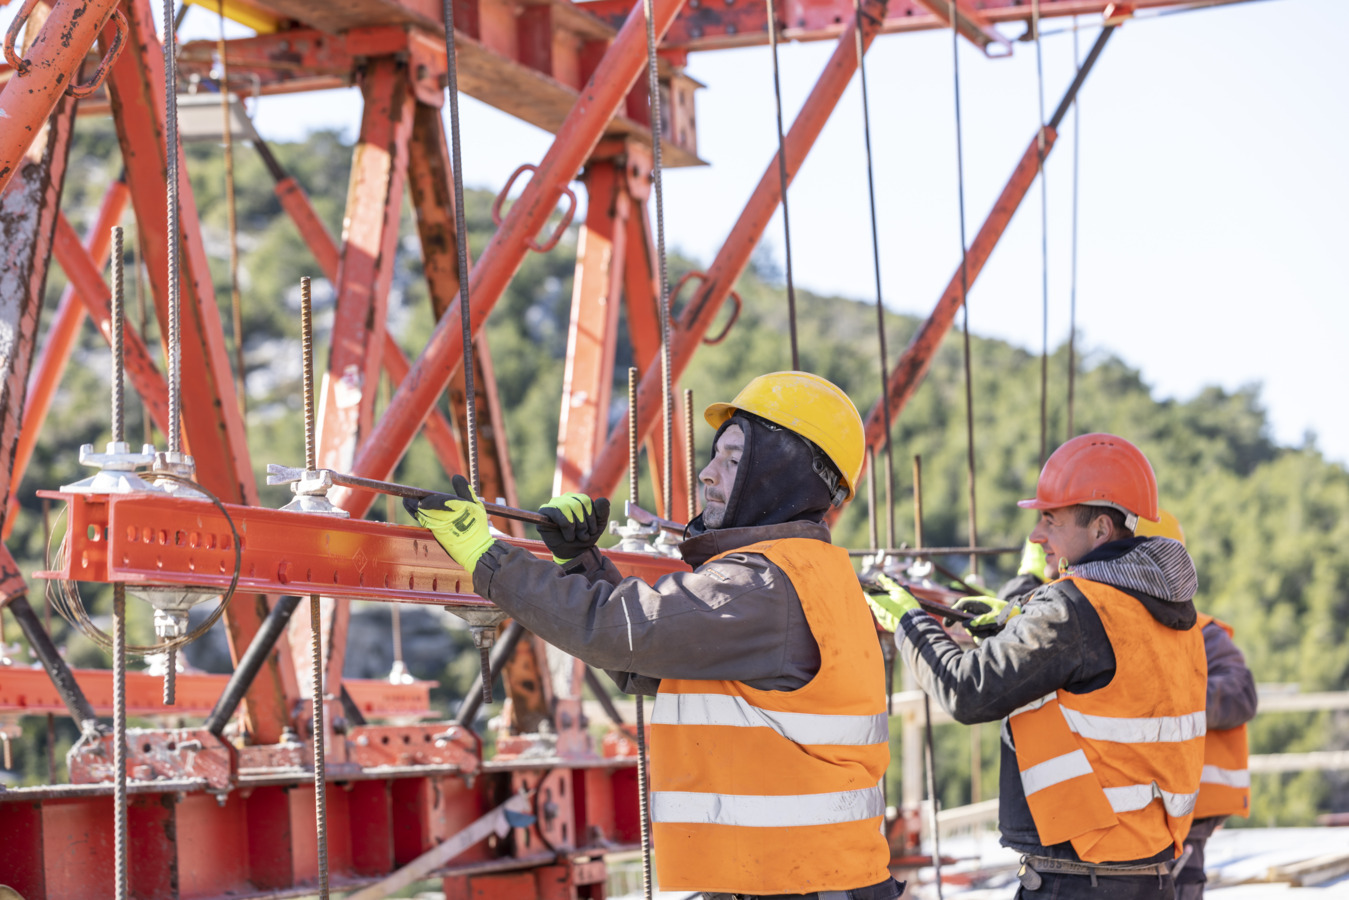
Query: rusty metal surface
178, 754
29, 205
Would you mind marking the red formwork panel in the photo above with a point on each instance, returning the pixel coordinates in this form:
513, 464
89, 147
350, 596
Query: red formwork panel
152, 847
78, 855
270, 851
304, 833
371, 805
21, 862
212, 845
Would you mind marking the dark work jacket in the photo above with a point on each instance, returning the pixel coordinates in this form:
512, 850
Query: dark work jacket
1058, 642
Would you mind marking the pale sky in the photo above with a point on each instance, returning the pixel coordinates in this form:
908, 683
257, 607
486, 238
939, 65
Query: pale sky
1213, 190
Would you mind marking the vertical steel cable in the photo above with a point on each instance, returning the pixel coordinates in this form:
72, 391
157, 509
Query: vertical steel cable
231, 218
871, 499
120, 835
174, 240
1044, 236
964, 292
667, 386
929, 753
782, 177
1072, 291
461, 245
880, 306
307, 355
689, 451
320, 775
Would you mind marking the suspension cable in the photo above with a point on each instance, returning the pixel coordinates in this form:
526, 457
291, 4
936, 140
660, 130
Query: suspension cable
1044, 234
461, 245
880, 305
231, 217
1072, 289
782, 178
964, 297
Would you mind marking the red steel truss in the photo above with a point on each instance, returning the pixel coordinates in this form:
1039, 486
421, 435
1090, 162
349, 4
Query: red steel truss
216, 813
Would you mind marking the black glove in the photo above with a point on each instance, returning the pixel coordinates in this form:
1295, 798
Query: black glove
971, 605
462, 491
578, 522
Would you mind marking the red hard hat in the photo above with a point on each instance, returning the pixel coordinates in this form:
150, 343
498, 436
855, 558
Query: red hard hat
1097, 470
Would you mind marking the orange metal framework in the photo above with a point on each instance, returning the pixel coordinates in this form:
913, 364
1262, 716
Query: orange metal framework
214, 818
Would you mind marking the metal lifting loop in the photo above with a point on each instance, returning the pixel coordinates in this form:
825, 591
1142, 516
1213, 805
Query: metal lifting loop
561, 227
21, 65
81, 91
735, 298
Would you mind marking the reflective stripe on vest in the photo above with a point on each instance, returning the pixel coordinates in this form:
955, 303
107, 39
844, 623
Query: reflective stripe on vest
1225, 788
778, 792
799, 728
1093, 764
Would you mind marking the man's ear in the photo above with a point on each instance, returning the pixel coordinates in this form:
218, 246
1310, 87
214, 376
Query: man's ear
1102, 529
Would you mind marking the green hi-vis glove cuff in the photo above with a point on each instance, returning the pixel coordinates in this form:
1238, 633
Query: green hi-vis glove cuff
576, 523
458, 522
892, 604
1033, 560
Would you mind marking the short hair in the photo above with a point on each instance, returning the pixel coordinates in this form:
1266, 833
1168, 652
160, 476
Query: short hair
1084, 514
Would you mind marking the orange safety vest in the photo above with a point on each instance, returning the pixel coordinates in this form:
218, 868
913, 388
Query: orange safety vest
777, 792
1225, 787
1116, 771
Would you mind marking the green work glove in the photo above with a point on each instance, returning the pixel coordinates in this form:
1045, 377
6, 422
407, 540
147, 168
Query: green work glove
890, 605
458, 521
992, 616
1033, 560
577, 523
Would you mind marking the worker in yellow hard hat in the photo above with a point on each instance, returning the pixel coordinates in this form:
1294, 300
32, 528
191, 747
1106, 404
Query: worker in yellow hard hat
763, 658
1099, 682
1225, 787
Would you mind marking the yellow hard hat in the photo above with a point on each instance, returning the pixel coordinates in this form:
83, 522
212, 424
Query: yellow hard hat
1168, 527
810, 406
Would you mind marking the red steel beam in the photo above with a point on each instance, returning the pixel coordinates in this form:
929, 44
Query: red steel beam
599, 100
50, 62
212, 422
29, 206
697, 317
973, 25
30, 692
60, 341
284, 553
365, 271
592, 332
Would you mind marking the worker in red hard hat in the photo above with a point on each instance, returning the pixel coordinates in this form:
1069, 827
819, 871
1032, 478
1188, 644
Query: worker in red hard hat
1225, 788
769, 737
1099, 681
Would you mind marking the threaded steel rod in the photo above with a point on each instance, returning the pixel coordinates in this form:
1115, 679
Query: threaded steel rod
632, 435
689, 452
307, 351
320, 776
119, 802
174, 239
170, 676
118, 365
643, 789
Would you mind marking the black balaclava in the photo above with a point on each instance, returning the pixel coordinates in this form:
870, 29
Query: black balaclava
776, 481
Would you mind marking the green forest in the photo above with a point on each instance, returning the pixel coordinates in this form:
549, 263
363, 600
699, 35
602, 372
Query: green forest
1266, 523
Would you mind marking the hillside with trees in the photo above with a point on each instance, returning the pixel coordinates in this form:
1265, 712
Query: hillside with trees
1266, 524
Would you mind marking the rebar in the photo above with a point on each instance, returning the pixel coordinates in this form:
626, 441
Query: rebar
918, 500
1072, 289
170, 675
1044, 235
461, 246
320, 775
118, 342
782, 178
119, 802
932, 792
174, 239
689, 451
872, 529
643, 800
307, 352
632, 435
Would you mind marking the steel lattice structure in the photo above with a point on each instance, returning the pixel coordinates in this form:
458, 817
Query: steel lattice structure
210, 817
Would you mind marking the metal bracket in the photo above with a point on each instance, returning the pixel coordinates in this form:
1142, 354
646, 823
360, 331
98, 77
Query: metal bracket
117, 467
310, 487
